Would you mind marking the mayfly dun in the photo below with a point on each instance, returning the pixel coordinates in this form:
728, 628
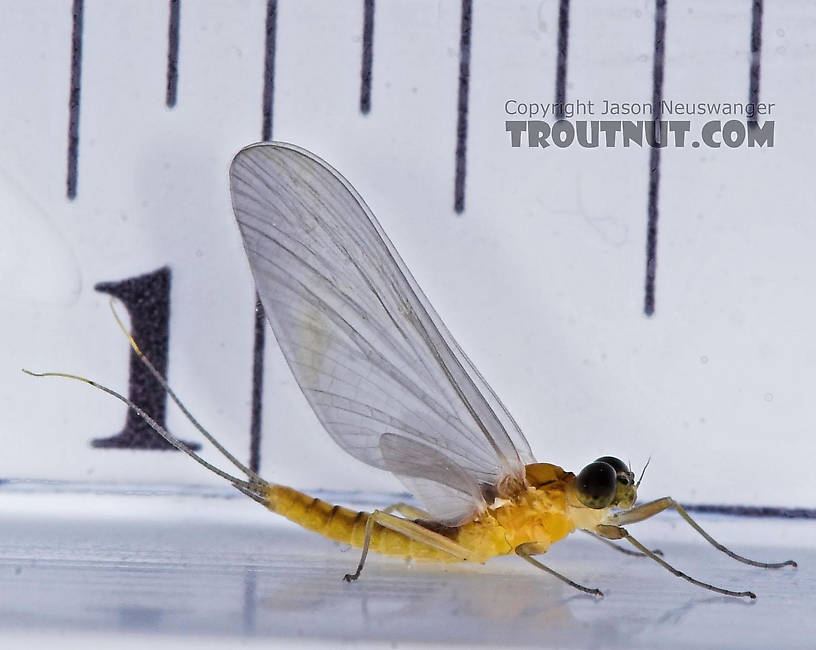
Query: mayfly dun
393, 388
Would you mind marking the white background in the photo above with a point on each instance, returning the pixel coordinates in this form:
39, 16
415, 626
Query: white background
541, 279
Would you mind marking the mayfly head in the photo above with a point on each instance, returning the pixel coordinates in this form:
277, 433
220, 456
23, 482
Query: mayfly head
606, 482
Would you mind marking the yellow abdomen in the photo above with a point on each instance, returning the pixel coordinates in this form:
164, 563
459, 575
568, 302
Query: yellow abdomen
347, 526
537, 516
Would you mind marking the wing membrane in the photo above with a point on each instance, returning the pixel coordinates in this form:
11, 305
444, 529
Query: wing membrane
366, 347
439, 482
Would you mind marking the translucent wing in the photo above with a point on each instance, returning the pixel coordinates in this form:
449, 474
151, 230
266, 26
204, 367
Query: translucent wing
441, 484
368, 350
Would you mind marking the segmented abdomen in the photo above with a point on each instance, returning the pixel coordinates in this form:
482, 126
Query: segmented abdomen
346, 526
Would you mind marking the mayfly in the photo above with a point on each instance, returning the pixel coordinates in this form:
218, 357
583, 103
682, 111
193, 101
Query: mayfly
393, 388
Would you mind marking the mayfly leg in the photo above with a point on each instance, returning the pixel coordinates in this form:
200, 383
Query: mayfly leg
407, 510
369, 527
652, 508
620, 549
617, 532
409, 529
526, 552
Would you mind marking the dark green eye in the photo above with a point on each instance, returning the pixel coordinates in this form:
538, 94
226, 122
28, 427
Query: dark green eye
597, 484
617, 464
625, 476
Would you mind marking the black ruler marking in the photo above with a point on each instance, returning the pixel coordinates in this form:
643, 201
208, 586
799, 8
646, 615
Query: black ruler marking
368, 56
259, 337
462, 106
147, 300
269, 67
756, 56
654, 157
173, 53
259, 344
753, 511
561, 64
73, 100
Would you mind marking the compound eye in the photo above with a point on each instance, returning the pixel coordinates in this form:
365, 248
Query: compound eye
597, 484
619, 466
625, 476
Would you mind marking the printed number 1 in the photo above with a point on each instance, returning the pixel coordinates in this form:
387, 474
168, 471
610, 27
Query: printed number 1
147, 300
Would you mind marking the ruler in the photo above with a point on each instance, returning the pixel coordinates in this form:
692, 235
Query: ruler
635, 301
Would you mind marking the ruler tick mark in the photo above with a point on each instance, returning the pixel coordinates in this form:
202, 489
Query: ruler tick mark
654, 157
259, 337
753, 511
259, 344
462, 106
173, 52
368, 56
269, 67
73, 100
561, 65
756, 56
